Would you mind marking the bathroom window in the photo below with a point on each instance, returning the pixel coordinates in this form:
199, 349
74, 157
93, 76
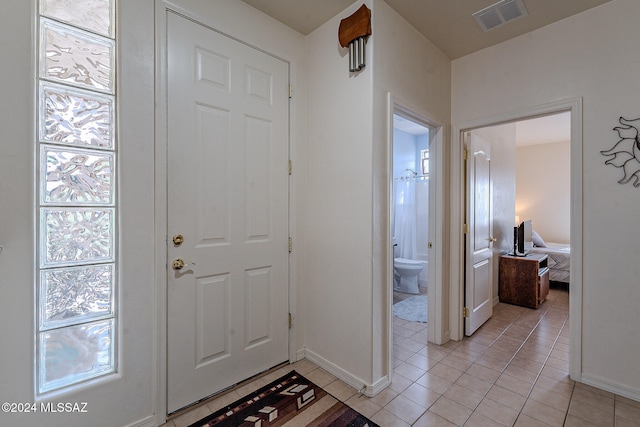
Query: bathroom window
424, 161
77, 204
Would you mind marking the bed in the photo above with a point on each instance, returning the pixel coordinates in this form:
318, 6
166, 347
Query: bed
558, 258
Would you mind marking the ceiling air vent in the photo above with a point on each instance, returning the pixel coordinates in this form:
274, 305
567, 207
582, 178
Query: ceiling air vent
500, 13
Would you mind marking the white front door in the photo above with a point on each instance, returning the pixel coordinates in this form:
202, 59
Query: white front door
228, 200
479, 236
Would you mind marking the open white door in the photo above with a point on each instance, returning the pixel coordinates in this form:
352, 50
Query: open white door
228, 107
479, 236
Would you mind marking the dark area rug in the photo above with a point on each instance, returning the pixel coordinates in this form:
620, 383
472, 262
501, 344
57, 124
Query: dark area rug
291, 400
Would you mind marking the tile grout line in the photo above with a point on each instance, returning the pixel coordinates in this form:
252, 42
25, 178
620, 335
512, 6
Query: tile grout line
564, 323
512, 323
482, 353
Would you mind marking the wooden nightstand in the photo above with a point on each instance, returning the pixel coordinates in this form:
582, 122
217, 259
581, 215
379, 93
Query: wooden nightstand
524, 280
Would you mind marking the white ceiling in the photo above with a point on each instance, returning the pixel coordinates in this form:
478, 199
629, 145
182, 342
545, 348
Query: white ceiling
408, 126
450, 26
544, 130
446, 23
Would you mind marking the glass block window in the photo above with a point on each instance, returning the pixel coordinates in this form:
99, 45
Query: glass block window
76, 138
75, 117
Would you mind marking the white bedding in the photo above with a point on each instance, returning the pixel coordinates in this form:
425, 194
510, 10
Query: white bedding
558, 260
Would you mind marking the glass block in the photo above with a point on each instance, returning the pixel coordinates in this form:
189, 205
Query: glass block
76, 57
75, 353
76, 236
76, 117
77, 177
76, 294
93, 15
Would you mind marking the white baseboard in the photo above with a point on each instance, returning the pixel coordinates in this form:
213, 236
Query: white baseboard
368, 390
618, 389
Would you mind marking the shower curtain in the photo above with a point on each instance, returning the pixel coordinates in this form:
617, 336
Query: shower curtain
404, 232
411, 204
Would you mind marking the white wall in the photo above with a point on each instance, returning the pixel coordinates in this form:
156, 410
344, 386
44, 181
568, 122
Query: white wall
543, 189
418, 77
338, 206
16, 203
404, 153
127, 396
592, 55
348, 177
131, 397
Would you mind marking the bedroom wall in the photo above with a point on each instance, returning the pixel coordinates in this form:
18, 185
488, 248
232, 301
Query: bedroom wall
543, 189
573, 58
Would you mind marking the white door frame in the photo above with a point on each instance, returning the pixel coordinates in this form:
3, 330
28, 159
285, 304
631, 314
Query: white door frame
436, 332
573, 105
163, 7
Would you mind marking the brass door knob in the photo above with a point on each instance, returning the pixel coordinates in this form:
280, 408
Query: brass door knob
179, 264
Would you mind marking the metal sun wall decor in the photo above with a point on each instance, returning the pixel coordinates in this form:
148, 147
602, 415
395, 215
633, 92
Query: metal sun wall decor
625, 153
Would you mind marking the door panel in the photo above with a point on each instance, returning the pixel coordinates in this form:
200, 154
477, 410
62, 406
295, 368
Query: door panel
479, 238
228, 198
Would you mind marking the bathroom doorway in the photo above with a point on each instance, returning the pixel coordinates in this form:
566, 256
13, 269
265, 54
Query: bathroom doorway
412, 203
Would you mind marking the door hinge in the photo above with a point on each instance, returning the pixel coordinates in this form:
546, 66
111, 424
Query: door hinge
465, 312
290, 167
290, 245
465, 154
290, 320
465, 228
290, 91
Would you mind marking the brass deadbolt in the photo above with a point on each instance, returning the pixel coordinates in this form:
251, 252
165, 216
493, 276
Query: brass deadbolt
178, 239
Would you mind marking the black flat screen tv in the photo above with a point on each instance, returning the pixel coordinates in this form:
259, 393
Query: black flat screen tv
525, 237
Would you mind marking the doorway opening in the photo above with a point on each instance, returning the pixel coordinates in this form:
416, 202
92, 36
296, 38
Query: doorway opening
412, 206
532, 181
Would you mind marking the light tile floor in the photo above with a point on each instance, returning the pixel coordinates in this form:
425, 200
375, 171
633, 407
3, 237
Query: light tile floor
512, 372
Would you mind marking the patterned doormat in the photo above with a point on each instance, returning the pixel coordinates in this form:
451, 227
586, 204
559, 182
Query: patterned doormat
291, 401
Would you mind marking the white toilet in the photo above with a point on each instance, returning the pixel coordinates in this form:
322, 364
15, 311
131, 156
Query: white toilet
405, 275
